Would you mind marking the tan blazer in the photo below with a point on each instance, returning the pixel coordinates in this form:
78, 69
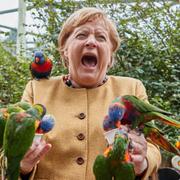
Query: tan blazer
77, 137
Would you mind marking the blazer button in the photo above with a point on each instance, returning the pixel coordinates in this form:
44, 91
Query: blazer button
80, 136
81, 116
80, 160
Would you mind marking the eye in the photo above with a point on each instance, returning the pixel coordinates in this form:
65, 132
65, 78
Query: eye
101, 38
81, 36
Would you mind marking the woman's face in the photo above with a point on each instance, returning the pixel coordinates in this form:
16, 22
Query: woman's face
89, 52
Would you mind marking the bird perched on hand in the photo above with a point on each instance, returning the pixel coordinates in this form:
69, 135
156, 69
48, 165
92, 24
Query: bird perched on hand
115, 163
138, 114
113, 119
41, 66
18, 137
46, 124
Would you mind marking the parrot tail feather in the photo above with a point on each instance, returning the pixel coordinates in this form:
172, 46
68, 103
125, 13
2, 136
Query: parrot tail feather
167, 120
161, 141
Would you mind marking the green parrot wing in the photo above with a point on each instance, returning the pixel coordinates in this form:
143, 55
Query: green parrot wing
14, 109
24, 105
118, 152
125, 171
166, 119
3, 121
18, 137
37, 110
101, 168
143, 106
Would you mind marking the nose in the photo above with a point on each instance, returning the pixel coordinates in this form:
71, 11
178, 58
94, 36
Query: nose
91, 42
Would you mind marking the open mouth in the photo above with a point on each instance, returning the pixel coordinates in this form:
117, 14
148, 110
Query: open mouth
89, 60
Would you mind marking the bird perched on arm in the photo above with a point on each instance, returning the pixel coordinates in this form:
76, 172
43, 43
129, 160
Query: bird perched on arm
41, 66
18, 125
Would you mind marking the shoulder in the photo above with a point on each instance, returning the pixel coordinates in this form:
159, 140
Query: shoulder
44, 84
47, 82
128, 85
124, 80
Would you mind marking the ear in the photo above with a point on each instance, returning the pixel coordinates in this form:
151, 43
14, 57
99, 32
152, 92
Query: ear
66, 52
110, 64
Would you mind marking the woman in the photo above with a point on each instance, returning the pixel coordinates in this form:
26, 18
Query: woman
79, 101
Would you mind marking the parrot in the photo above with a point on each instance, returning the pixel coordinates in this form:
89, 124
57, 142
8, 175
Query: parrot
157, 137
22, 104
138, 112
37, 110
4, 115
115, 162
18, 137
138, 115
112, 120
101, 168
41, 66
46, 124
3, 119
18, 124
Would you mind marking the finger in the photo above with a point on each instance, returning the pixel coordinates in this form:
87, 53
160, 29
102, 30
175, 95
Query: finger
42, 152
31, 149
37, 149
125, 128
138, 139
138, 148
136, 159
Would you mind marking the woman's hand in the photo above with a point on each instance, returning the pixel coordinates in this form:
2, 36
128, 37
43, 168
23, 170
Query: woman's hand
33, 156
139, 151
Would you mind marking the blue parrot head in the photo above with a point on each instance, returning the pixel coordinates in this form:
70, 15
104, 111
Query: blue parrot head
39, 57
116, 112
47, 123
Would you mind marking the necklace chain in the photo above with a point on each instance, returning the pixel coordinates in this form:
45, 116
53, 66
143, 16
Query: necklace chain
67, 80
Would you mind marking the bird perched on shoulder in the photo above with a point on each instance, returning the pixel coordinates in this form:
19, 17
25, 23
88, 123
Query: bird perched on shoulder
41, 66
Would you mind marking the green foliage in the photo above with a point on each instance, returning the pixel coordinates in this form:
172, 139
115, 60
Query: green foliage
13, 77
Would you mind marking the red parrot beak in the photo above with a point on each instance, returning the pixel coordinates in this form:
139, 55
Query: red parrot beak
36, 60
118, 124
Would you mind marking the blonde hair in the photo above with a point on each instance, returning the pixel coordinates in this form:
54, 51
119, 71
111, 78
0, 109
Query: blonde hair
82, 16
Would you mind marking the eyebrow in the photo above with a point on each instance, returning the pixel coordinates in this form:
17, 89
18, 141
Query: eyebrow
98, 30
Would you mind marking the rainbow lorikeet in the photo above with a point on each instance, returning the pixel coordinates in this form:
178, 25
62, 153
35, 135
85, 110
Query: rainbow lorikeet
129, 110
18, 137
115, 163
18, 124
137, 112
4, 115
41, 66
46, 124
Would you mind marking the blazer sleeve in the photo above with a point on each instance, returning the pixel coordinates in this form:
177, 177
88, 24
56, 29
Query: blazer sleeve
154, 161
141, 91
28, 93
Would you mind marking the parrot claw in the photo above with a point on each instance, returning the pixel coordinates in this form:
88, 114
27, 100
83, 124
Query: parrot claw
139, 131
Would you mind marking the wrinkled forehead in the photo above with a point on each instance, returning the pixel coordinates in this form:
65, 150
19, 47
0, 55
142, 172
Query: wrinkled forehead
99, 25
